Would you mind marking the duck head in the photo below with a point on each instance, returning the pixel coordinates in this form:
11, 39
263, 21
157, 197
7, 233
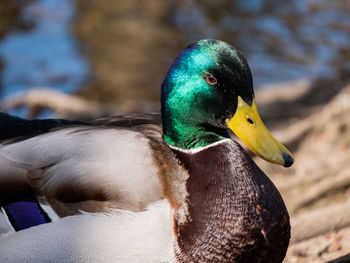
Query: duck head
208, 89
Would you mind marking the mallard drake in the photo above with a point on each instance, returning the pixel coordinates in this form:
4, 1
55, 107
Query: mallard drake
148, 188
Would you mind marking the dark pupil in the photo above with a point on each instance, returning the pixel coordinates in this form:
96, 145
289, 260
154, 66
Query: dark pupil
211, 79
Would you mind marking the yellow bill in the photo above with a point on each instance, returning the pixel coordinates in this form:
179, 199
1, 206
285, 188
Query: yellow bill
248, 126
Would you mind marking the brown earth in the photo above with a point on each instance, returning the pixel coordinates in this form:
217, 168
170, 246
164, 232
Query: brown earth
314, 122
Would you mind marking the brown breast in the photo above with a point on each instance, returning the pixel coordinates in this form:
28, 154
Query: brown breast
236, 213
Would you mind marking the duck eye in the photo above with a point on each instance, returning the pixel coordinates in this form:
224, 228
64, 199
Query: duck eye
211, 80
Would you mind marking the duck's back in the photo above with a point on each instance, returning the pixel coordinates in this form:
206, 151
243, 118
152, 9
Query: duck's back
93, 192
76, 166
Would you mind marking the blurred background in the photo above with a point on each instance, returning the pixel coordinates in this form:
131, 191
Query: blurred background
88, 58
113, 51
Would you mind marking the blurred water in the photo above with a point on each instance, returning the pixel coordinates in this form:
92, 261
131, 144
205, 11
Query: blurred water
282, 40
129, 45
46, 55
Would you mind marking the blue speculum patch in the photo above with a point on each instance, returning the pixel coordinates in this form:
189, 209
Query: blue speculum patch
25, 214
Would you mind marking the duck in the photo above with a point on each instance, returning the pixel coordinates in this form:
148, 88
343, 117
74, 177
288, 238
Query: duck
168, 187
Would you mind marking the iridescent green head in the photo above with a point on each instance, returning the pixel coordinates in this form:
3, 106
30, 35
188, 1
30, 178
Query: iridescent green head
205, 88
194, 107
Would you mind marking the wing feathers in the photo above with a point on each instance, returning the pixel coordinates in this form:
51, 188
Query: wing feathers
75, 164
14, 127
